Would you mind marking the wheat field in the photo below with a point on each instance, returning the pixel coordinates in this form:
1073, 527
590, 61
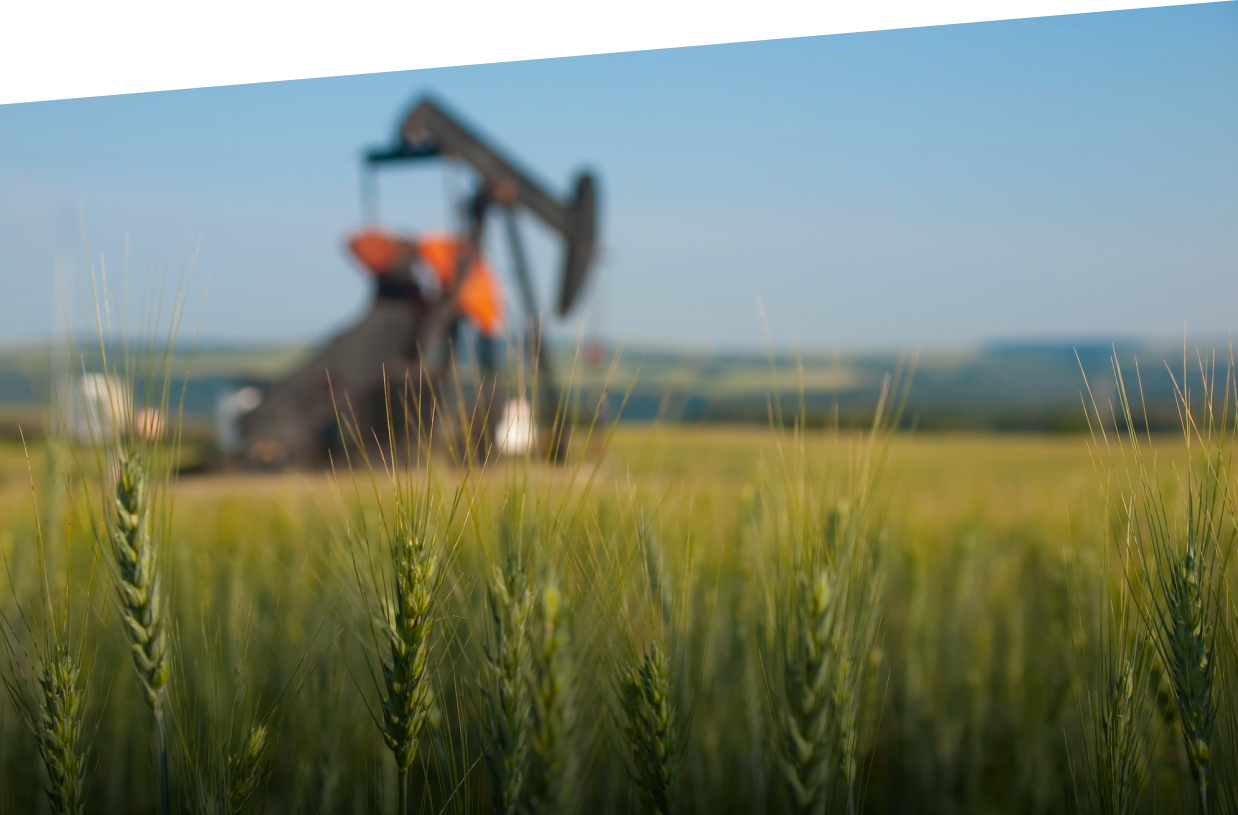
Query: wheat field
681, 619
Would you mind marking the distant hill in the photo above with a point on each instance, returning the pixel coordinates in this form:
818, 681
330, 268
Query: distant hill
999, 387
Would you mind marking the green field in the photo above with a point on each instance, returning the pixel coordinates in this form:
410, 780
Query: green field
985, 561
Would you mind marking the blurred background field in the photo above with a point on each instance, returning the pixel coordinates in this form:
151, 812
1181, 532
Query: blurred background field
1004, 387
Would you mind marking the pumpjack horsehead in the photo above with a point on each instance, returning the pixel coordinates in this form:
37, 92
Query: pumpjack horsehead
398, 357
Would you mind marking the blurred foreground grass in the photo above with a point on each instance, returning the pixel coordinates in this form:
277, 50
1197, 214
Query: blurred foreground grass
992, 548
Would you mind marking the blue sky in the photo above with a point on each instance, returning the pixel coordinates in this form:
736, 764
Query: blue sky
1050, 178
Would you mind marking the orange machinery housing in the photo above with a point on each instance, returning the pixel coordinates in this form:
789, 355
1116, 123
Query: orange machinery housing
480, 297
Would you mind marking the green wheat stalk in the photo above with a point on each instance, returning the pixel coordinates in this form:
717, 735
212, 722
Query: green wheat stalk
1116, 714
807, 748
551, 687
510, 600
652, 731
408, 628
1178, 563
53, 706
247, 770
59, 732
54, 711
140, 601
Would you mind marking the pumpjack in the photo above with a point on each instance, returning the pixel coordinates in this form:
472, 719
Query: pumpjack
398, 360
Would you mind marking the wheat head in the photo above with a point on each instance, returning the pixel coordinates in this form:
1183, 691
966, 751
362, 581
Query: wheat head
554, 713
408, 630
1186, 630
510, 599
61, 709
138, 587
806, 718
652, 730
248, 769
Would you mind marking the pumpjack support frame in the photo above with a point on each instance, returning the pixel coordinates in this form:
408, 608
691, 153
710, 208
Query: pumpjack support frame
298, 419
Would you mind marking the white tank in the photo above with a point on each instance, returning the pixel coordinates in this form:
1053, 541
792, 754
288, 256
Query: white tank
516, 432
229, 408
92, 408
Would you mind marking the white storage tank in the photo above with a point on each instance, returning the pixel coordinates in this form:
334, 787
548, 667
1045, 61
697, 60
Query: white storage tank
92, 408
516, 432
229, 408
